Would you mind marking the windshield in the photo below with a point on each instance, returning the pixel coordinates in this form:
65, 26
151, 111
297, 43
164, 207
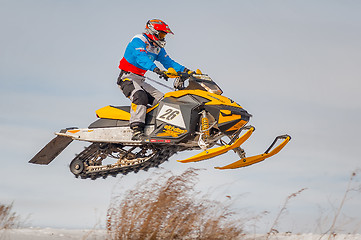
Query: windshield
203, 82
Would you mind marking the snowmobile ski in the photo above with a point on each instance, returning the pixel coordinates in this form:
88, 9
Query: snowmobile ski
210, 153
247, 161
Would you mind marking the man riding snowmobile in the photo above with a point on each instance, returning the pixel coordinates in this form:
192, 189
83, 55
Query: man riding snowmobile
139, 57
195, 116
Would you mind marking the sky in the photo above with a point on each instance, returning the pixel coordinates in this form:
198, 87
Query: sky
294, 65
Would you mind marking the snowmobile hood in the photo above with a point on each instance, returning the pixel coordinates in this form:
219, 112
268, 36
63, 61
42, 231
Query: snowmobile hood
213, 99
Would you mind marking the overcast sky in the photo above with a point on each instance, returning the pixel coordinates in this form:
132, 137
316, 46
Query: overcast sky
294, 65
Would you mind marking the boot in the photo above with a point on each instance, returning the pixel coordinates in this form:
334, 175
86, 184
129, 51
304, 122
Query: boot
138, 132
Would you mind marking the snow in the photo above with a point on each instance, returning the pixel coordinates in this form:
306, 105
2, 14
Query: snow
96, 234
51, 234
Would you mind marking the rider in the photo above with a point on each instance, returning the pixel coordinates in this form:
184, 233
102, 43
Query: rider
139, 57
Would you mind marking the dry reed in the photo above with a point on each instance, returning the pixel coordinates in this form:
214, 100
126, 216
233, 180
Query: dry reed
273, 229
169, 208
8, 218
352, 187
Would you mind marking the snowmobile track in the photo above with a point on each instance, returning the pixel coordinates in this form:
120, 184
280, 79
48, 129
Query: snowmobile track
80, 166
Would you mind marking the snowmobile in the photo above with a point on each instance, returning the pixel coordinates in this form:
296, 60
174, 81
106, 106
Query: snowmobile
193, 117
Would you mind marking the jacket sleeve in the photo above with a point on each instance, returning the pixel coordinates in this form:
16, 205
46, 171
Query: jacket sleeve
167, 62
141, 56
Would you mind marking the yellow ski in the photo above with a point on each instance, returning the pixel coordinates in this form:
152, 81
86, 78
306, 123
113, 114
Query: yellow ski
219, 150
258, 158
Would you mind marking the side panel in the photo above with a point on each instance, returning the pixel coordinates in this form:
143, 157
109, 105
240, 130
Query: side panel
168, 131
171, 114
108, 135
177, 112
229, 118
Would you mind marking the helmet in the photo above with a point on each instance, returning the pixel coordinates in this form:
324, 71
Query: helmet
156, 30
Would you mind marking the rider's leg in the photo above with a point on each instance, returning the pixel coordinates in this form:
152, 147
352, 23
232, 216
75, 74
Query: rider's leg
139, 99
141, 94
155, 94
138, 111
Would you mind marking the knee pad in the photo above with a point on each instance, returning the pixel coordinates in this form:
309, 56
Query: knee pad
151, 99
140, 97
127, 87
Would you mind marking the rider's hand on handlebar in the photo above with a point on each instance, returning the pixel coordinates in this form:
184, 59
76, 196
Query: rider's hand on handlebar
162, 74
186, 70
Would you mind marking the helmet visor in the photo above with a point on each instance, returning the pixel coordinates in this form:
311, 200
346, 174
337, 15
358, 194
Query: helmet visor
162, 35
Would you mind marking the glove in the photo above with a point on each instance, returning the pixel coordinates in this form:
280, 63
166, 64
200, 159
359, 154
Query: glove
186, 70
161, 73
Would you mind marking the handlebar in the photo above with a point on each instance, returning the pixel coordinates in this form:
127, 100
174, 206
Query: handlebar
172, 73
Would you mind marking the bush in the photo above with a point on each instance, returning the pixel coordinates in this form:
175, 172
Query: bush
8, 218
169, 208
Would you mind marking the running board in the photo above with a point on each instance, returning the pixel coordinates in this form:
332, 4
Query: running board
210, 153
244, 162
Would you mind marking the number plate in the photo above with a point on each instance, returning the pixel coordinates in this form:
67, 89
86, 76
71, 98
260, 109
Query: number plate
171, 115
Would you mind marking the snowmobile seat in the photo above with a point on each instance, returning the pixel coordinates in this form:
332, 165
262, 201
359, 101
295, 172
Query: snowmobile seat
118, 116
113, 112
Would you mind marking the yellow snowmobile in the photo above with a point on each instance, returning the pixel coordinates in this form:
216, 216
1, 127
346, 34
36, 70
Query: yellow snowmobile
195, 116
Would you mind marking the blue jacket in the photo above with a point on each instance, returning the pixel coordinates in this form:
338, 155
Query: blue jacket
140, 55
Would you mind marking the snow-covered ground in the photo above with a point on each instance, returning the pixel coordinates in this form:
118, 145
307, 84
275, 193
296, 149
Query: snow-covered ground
51, 234
90, 234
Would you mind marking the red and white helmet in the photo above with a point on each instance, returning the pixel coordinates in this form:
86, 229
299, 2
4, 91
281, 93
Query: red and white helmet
156, 30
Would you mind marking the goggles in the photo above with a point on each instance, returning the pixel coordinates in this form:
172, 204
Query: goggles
162, 35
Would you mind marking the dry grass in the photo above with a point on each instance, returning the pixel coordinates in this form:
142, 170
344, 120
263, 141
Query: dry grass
273, 229
353, 186
169, 208
8, 218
